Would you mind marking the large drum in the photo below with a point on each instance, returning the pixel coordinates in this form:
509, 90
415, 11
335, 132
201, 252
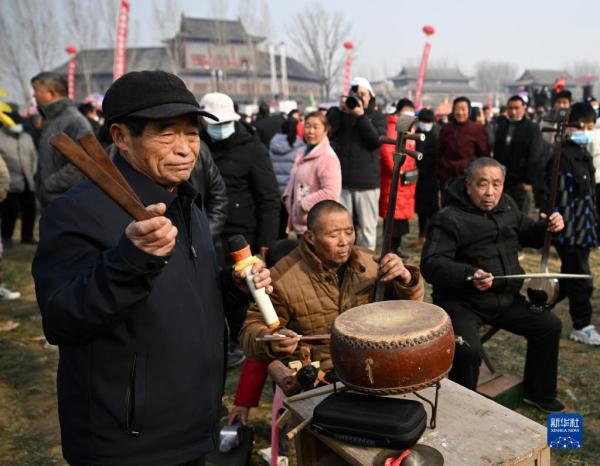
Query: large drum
392, 347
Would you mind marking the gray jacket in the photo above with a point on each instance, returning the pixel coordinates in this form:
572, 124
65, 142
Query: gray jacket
55, 173
20, 156
4, 180
283, 157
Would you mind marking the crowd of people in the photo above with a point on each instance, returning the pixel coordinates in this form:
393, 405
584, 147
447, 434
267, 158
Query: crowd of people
139, 304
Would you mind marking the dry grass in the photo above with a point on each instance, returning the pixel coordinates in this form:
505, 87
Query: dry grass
29, 433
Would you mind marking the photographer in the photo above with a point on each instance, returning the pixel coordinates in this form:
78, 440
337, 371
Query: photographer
355, 131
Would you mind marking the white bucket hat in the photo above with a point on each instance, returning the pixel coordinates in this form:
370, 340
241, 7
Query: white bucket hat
220, 105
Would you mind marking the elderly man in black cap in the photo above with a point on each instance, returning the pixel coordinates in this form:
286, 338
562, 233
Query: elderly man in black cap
136, 307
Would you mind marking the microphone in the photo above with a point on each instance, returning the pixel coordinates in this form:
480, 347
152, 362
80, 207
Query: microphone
244, 260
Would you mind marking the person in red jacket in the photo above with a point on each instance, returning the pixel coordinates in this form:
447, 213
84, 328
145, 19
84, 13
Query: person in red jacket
405, 202
461, 141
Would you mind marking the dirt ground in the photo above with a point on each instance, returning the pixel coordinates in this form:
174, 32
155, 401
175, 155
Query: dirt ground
29, 431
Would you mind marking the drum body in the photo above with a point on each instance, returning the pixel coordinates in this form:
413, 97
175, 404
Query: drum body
392, 347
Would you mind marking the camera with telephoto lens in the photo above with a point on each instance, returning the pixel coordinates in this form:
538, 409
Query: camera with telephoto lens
353, 100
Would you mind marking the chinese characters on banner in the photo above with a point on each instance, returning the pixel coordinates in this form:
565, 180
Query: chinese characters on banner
120, 64
72, 52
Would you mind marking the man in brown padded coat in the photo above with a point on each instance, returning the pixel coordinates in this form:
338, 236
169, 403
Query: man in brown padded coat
323, 277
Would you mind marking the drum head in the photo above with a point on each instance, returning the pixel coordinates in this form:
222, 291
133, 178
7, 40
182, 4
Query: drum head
390, 320
392, 347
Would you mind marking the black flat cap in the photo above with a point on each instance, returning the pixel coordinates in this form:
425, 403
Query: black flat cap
426, 115
149, 94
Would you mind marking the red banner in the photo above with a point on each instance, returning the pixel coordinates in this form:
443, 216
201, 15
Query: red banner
421, 77
71, 78
347, 68
120, 63
72, 52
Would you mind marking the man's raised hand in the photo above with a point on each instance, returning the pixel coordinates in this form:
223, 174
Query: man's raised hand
156, 236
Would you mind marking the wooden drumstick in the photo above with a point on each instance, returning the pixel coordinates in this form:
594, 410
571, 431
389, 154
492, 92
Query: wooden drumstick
279, 337
95, 150
113, 189
292, 433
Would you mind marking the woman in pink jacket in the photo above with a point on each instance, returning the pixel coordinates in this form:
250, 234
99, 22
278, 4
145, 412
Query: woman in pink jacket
316, 174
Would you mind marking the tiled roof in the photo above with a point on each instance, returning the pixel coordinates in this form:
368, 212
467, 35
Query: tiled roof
100, 61
433, 74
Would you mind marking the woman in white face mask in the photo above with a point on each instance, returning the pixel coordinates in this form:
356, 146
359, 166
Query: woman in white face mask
252, 193
221, 131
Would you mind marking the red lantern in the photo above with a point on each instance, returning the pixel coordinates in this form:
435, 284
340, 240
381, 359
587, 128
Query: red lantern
71, 50
348, 45
428, 30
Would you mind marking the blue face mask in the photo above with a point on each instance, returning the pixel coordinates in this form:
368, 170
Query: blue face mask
220, 132
583, 138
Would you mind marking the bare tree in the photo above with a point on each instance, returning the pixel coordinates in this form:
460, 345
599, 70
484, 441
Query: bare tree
109, 12
218, 11
318, 35
167, 14
15, 69
83, 28
30, 42
256, 18
493, 76
39, 32
166, 18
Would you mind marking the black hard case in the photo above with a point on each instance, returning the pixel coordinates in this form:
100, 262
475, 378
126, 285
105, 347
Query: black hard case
370, 421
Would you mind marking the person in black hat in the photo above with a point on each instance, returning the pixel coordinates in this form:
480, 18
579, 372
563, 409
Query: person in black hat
136, 307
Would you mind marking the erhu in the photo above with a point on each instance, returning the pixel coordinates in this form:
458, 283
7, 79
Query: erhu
403, 127
542, 292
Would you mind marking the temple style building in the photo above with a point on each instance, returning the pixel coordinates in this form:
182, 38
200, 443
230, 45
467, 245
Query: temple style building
441, 86
538, 79
209, 55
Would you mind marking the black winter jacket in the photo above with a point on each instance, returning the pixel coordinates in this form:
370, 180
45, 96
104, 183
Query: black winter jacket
461, 238
140, 372
522, 154
252, 193
267, 127
356, 142
428, 186
212, 193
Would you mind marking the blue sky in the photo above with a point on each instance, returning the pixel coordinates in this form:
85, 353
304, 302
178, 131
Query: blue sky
529, 33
